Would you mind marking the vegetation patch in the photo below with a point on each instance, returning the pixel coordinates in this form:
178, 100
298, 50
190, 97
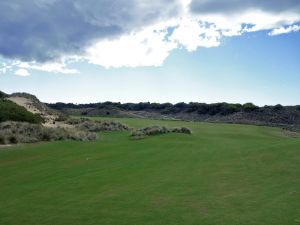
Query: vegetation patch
21, 132
156, 130
97, 126
3, 95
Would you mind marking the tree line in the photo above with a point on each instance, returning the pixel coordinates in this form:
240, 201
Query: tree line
168, 108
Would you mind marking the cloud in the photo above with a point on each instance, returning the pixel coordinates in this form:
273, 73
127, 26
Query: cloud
46, 35
152, 45
22, 68
192, 34
4, 67
22, 72
148, 47
240, 16
41, 30
239, 6
51, 67
284, 30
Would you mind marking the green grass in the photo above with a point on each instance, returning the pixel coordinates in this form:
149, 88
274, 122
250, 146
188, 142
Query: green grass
222, 174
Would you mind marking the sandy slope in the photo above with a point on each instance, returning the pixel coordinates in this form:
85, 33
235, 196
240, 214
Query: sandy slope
26, 103
31, 106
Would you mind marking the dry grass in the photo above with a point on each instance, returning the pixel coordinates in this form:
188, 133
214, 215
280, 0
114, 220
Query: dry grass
18, 132
97, 126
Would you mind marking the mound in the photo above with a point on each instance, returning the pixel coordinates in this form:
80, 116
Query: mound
32, 104
9, 111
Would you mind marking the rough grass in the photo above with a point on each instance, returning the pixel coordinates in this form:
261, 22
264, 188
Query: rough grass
18, 132
222, 174
96, 126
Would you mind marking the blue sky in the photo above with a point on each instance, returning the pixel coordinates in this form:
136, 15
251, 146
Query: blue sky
187, 58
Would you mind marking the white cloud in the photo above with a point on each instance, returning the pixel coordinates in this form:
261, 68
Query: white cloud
22, 72
47, 67
190, 34
189, 31
284, 30
248, 21
148, 47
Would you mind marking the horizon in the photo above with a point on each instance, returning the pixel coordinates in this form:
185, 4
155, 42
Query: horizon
191, 51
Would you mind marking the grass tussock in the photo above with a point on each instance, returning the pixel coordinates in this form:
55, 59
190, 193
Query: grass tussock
156, 130
20, 132
97, 126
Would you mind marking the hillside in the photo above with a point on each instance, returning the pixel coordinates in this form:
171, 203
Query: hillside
248, 113
10, 111
33, 105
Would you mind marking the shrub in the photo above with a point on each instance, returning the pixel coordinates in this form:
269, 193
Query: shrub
96, 126
203, 108
226, 109
278, 107
2, 140
61, 117
249, 107
183, 130
192, 107
156, 130
13, 140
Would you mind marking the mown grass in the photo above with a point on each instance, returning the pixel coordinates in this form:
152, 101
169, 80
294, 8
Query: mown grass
221, 174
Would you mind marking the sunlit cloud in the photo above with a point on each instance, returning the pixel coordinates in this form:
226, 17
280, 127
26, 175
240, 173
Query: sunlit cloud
22, 72
284, 30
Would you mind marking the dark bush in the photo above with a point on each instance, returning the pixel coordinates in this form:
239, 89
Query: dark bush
2, 140
250, 107
226, 109
278, 107
13, 140
183, 130
192, 107
3, 95
203, 108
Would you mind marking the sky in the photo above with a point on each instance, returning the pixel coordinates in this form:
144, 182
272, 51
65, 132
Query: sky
209, 51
